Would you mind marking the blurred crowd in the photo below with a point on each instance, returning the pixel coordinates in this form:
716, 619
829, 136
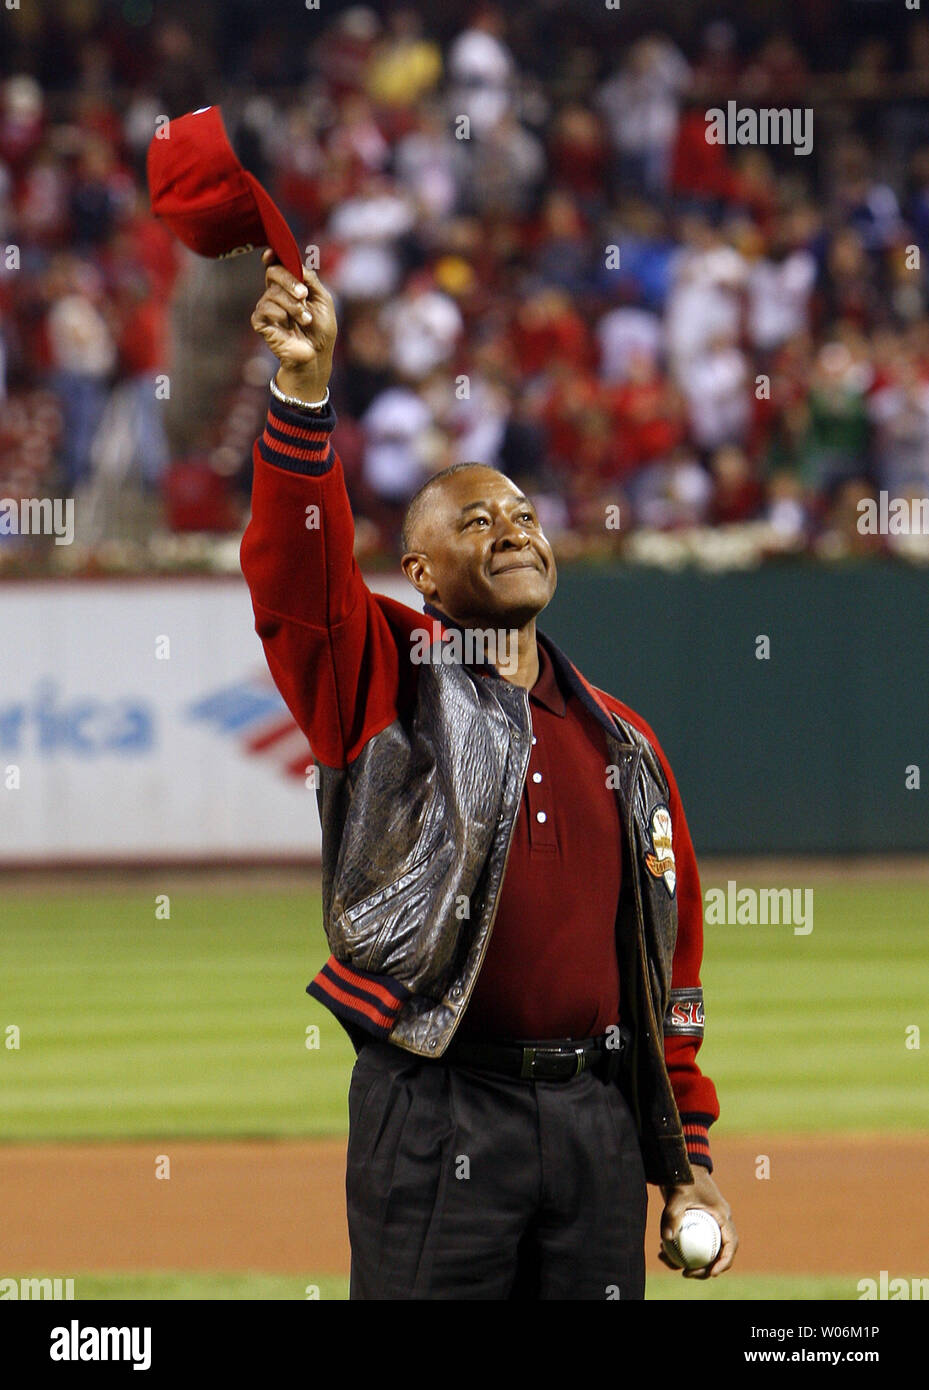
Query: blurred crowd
680, 349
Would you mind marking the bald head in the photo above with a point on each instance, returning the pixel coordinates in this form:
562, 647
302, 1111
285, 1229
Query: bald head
473, 547
418, 504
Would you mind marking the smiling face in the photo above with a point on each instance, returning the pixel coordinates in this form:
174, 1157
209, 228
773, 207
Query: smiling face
478, 552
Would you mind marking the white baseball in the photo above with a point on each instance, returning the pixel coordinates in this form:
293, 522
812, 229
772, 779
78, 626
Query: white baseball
697, 1241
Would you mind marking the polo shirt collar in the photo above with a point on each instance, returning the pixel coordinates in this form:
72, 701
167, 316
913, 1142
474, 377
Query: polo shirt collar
546, 690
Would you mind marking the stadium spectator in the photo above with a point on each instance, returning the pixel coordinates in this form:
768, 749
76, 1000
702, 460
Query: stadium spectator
423, 325
865, 203
640, 105
481, 73
22, 123
672, 493
780, 285
899, 409
705, 301
578, 155
143, 355
429, 166
82, 357
506, 168
99, 190
717, 389
366, 231
406, 65
647, 411
718, 66
396, 426
737, 491
624, 334
778, 72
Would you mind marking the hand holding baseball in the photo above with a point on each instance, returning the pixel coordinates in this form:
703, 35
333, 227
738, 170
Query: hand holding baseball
703, 1194
697, 1241
298, 323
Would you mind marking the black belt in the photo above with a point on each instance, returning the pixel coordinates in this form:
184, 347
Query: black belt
549, 1059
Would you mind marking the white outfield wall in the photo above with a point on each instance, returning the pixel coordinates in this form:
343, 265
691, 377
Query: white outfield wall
109, 754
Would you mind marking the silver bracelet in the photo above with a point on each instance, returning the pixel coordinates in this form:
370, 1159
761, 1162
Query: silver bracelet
295, 400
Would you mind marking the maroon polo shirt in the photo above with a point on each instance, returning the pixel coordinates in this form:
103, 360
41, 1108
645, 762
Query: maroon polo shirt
551, 969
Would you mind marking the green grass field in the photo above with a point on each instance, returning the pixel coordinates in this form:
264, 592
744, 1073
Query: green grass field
253, 1287
196, 1026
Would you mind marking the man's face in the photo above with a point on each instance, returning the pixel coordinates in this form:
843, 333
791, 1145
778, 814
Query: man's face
479, 552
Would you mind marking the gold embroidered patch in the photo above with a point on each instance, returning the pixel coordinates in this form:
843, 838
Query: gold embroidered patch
660, 859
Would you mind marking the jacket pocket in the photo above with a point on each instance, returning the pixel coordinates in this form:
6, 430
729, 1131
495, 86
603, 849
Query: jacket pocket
355, 917
392, 931
407, 929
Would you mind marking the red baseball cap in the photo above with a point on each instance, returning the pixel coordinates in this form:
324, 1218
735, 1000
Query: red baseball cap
211, 203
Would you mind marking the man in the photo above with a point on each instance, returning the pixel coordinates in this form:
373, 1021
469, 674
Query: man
509, 888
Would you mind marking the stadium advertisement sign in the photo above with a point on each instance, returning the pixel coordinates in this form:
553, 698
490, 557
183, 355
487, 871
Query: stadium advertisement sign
138, 722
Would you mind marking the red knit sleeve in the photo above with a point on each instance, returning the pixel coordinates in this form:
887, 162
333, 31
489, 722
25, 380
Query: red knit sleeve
329, 645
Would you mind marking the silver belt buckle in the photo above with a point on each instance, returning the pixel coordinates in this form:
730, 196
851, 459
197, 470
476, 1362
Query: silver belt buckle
525, 1070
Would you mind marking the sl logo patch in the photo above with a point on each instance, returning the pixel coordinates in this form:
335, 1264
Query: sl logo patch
686, 1015
660, 859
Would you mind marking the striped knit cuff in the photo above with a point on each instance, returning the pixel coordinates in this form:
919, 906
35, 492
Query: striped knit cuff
371, 1001
696, 1135
296, 440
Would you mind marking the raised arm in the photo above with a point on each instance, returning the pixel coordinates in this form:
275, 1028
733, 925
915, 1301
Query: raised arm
328, 643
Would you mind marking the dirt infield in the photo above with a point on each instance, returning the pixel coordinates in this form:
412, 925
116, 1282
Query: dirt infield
850, 1204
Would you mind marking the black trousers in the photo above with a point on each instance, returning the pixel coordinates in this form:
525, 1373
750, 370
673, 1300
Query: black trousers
466, 1185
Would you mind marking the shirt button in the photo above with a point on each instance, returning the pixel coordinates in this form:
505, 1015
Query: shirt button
541, 817
537, 777
534, 739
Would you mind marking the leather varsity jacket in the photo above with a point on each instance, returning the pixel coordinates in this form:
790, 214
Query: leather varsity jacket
421, 767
